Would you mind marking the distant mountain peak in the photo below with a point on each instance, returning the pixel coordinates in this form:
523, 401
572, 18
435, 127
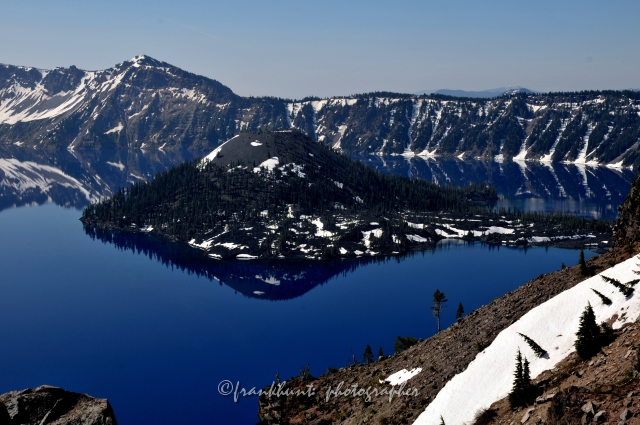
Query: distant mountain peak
144, 60
489, 93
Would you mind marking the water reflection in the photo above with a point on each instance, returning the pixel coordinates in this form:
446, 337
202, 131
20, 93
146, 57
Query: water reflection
263, 279
74, 179
589, 191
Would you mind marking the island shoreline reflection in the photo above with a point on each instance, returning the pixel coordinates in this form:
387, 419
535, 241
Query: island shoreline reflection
268, 279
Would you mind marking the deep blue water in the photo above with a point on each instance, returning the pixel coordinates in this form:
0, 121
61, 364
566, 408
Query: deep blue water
154, 329
156, 337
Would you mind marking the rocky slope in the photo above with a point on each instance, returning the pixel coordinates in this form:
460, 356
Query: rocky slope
602, 390
54, 406
146, 103
441, 357
432, 363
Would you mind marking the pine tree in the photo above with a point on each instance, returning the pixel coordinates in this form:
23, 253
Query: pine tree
368, 355
516, 390
625, 288
605, 300
526, 374
438, 304
534, 346
441, 420
380, 353
305, 373
404, 343
522, 390
459, 312
588, 337
583, 264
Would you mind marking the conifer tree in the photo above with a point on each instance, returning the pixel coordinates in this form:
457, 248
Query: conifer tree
625, 288
516, 389
368, 355
588, 337
526, 374
438, 304
380, 353
522, 389
534, 345
605, 300
459, 312
583, 264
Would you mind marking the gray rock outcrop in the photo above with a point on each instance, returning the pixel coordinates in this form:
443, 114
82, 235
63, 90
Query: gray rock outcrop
54, 406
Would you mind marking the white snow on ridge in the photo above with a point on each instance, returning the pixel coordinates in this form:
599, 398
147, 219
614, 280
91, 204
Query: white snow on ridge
25, 104
563, 126
216, 151
115, 129
553, 325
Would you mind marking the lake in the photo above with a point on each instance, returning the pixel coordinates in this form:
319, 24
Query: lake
155, 329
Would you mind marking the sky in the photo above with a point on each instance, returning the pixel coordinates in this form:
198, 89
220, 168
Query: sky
294, 49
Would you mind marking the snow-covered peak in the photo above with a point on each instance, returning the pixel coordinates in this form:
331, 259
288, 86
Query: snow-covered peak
138, 58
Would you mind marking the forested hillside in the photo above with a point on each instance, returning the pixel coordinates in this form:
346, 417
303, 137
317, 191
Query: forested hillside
276, 192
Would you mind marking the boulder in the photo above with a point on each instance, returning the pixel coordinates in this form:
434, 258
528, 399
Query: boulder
589, 408
55, 406
625, 414
601, 416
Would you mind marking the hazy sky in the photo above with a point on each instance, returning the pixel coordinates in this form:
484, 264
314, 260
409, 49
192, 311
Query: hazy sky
302, 48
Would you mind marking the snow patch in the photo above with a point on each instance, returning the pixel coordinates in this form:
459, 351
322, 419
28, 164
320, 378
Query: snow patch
402, 376
118, 165
416, 238
216, 151
269, 164
116, 129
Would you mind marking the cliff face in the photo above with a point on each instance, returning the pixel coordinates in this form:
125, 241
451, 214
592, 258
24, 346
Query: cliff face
146, 103
55, 406
627, 230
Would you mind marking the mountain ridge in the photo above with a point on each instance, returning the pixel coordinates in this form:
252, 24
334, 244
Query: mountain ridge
489, 93
148, 104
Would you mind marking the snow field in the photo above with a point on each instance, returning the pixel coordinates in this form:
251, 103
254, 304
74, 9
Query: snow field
552, 325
